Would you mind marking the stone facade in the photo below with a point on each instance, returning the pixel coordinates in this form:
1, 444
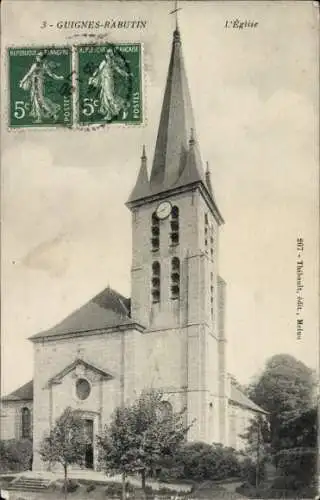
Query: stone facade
239, 421
12, 420
113, 356
182, 337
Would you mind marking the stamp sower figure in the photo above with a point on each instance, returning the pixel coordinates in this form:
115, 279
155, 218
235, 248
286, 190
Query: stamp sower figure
111, 103
34, 82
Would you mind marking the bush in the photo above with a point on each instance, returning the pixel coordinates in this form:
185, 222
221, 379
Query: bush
171, 468
170, 492
249, 471
15, 456
201, 462
114, 490
289, 483
70, 486
297, 467
90, 487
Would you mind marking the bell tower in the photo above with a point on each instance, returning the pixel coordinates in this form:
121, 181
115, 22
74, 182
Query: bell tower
176, 289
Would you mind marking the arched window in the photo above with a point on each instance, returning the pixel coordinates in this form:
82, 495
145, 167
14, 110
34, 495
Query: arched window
175, 278
155, 282
174, 223
155, 232
25, 423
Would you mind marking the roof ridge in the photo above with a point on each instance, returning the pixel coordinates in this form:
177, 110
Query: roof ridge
248, 403
107, 309
120, 297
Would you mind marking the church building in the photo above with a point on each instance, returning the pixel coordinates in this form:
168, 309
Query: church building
171, 333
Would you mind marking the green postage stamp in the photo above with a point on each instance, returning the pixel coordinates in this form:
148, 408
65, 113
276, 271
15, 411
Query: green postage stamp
46, 91
109, 84
39, 87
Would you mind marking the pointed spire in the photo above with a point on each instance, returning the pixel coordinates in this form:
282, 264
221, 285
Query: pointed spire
177, 160
176, 36
176, 120
141, 188
208, 179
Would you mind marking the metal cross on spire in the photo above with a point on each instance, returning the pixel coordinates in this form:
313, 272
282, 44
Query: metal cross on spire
175, 11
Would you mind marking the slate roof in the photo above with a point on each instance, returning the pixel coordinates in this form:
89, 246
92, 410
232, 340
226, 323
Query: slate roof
23, 393
177, 160
176, 122
108, 309
239, 398
142, 187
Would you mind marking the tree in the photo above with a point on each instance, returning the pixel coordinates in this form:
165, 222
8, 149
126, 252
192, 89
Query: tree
285, 390
66, 442
301, 431
140, 436
257, 437
115, 445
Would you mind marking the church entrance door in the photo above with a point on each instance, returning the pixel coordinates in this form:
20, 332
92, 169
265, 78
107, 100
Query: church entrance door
88, 459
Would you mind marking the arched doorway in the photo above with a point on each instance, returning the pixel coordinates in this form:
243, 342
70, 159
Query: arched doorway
88, 458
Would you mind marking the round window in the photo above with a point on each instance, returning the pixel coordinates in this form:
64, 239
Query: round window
83, 388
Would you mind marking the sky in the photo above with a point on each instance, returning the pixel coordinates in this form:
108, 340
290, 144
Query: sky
66, 233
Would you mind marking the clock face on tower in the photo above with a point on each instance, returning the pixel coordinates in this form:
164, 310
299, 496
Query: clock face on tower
164, 210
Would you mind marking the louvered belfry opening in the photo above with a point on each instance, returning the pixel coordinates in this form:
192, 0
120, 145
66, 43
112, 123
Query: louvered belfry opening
174, 227
155, 232
175, 278
155, 282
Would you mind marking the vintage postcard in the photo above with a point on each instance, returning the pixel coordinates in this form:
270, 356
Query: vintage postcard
160, 249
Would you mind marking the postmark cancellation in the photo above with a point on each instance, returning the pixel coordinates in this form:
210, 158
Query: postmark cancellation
109, 83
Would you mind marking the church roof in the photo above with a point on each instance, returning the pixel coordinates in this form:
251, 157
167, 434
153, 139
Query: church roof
177, 162
240, 399
108, 309
142, 184
23, 393
176, 123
